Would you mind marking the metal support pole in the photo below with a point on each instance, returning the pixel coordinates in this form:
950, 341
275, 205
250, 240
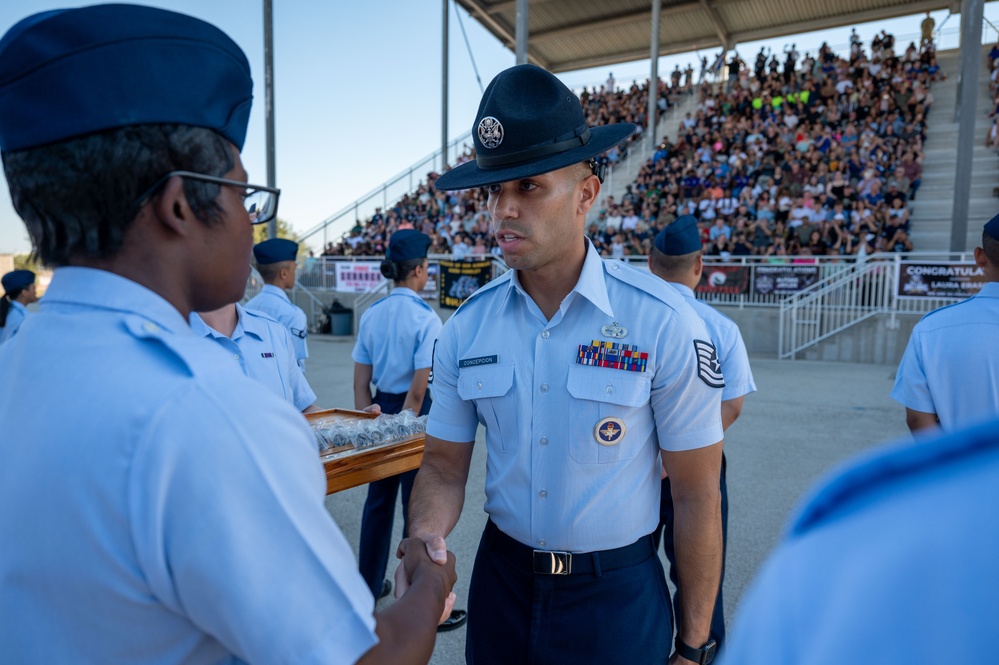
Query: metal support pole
444, 81
522, 34
654, 75
269, 104
967, 99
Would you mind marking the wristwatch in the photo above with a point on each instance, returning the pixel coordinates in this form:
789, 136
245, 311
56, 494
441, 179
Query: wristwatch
701, 656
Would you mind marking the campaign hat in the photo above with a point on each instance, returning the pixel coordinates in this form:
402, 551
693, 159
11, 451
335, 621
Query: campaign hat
71, 72
680, 237
529, 123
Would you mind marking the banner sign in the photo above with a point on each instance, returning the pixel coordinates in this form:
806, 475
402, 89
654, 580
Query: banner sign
730, 280
928, 279
460, 279
429, 291
357, 276
783, 280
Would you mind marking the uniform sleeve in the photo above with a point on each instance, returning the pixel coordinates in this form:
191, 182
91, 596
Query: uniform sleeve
301, 391
451, 418
911, 388
687, 408
361, 353
425, 338
231, 531
300, 333
735, 368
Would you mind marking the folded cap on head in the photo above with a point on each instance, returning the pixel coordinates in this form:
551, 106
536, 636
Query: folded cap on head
17, 279
72, 72
680, 237
529, 123
275, 250
407, 244
992, 227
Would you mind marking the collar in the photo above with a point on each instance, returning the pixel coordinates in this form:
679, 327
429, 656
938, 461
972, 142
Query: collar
684, 290
590, 285
18, 306
274, 290
102, 290
404, 291
989, 290
248, 324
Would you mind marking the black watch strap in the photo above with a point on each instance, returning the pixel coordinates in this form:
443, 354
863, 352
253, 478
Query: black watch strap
702, 656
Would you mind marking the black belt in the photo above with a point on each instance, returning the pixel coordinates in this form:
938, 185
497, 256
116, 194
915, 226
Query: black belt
545, 562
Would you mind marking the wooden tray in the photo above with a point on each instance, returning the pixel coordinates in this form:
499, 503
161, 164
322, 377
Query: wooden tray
348, 467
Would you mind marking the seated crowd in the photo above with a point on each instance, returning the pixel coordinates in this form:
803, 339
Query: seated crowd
822, 158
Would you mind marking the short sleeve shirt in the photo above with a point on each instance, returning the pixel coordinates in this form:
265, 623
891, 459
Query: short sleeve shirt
731, 348
573, 445
263, 349
950, 366
396, 337
15, 317
163, 508
275, 303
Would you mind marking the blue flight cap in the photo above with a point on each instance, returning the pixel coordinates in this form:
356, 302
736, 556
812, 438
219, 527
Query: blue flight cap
992, 227
407, 244
275, 250
71, 72
679, 238
17, 279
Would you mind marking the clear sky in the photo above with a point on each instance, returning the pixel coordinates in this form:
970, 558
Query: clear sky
358, 89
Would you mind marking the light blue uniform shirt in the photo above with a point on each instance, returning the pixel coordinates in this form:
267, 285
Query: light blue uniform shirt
891, 561
275, 302
264, 351
396, 337
549, 483
158, 506
15, 317
728, 342
951, 366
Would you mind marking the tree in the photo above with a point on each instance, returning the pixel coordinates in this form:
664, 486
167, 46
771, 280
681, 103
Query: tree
27, 262
284, 230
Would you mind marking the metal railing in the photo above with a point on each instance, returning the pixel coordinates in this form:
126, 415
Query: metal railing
254, 284
841, 300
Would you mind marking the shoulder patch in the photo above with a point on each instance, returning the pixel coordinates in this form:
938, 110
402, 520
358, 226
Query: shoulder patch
708, 366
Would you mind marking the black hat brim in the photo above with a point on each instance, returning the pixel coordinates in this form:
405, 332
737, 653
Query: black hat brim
470, 175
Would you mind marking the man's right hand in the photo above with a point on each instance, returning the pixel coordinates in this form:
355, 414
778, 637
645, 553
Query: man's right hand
420, 557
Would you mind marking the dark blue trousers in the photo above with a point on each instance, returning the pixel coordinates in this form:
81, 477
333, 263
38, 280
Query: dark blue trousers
665, 530
379, 508
605, 615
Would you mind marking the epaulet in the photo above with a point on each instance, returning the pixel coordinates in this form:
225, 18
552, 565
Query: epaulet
873, 474
260, 314
940, 309
502, 279
197, 356
642, 280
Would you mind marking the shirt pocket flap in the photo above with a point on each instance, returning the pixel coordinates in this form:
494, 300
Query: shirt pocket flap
613, 386
485, 381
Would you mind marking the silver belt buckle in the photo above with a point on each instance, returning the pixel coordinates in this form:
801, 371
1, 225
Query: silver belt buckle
552, 563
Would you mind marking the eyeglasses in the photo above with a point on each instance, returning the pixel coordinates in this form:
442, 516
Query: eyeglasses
260, 202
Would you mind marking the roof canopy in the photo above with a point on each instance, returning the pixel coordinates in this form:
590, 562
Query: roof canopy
566, 35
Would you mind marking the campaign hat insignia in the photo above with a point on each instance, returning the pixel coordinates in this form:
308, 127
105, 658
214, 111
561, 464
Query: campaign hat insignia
490, 132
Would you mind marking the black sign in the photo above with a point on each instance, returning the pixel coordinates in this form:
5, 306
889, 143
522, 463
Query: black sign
460, 279
783, 280
938, 280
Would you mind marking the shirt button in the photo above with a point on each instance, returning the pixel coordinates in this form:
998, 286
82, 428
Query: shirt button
609, 389
544, 387
613, 266
479, 385
149, 326
544, 441
542, 494
236, 356
541, 543
545, 335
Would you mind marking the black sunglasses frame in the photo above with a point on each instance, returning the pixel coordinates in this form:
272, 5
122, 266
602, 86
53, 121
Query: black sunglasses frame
247, 187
